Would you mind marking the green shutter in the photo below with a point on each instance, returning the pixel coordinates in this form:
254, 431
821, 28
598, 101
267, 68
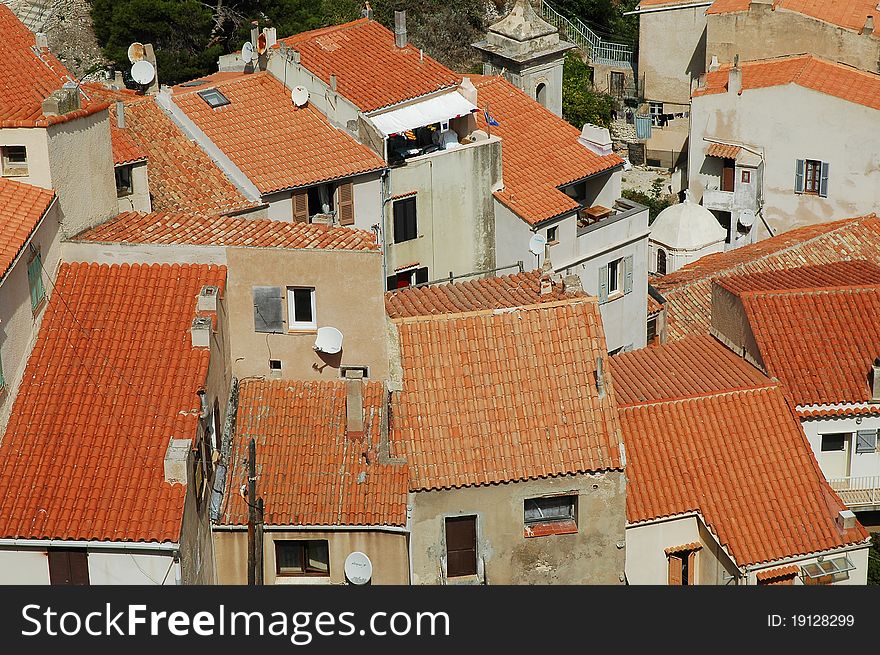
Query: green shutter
799, 176
35, 281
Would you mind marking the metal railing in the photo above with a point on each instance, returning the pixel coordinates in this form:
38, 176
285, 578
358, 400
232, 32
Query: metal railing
450, 278
598, 50
857, 491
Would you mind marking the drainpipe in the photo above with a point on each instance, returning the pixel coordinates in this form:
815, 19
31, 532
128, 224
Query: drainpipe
379, 228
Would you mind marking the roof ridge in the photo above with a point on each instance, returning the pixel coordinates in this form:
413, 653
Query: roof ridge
706, 394
858, 288
320, 31
575, 300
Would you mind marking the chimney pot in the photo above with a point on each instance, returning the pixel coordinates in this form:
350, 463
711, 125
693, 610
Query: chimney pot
42, 40
201, 331
208, 298
846, 519
120, 114
400, 29
333, 82
869, 25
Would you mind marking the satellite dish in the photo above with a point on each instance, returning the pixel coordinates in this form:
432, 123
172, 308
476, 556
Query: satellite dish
299, 95
248, 54
537, 243
358, 568
262, 44
143, 72
136, 52
329, 340
747, 218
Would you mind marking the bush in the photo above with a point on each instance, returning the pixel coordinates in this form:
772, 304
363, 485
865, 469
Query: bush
580, 104
656, 201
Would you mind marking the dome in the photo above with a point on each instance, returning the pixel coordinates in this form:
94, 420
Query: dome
686, 226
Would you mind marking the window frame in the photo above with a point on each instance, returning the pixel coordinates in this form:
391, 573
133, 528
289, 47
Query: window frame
303, 546
301, 326
213, 92
35, 277
118, 171
814, 165
553, 235
745, 177
617, 266
843, 439
548, 525
414, 273
684, 564
18, 169
406, 232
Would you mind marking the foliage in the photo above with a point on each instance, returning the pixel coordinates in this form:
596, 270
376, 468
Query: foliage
874, 560
580, 104
604, 17
656, 201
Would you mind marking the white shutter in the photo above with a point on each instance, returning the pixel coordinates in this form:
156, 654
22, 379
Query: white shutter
603, 284
627, 273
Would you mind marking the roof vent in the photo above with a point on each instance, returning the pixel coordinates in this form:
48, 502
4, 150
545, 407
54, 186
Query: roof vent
201, 331
869, 25
177, 460
874, 376
400, 29
846, 519
208, 298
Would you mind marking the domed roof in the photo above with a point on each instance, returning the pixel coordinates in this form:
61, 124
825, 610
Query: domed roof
686, 226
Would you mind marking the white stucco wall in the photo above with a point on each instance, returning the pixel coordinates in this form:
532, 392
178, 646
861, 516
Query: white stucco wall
139, 199
30, 566
860, 464
36, 140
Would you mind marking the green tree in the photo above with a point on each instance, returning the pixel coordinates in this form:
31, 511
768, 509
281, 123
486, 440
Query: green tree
580, 104
655, 200
874, 560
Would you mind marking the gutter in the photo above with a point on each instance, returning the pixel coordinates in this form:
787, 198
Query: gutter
167, 546
401, 529
654, 10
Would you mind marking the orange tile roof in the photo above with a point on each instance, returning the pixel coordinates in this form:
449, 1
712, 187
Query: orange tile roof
370, 70
29, 76
834, 274
781, 572
820, 343
654, 305
722, 150
191, 229
308, 469
473, 295
657, 3
183, 178
21, 208
849, 14
504, 395
741, 460
808, 71
539, 151
125, 150
688, 291
680, 369
83, 454
275, 143
694, 545
840, 412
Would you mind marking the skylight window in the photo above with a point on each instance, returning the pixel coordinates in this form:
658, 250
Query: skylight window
213, 97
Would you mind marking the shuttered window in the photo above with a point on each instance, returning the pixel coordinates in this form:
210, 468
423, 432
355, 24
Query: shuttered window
302, 557
268, 310
682, 568
300, 201
407, 278
68, 567
35, 281
866, 441
405, 227
346, 204
461, 546
811, 176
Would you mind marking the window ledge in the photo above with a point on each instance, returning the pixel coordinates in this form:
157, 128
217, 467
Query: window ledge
302, 330
302, 579
39, 307
547, 528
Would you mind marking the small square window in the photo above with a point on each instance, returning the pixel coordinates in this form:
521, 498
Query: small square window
553, 235
834, 442
123, 181
302, 558
213, 97
746, 177
301, 308
550, 515
14, 161
615, 272
274, 364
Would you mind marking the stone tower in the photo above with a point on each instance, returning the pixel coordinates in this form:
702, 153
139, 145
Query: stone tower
527, 50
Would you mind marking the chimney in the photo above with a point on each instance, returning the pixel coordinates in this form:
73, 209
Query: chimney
208, 299
62, 101
597, 139
177, 460
714, 65
468, 90
354, 404
118, 80
367, 11
869, 25
120, 114
255, 32
572, 284
201, 331
333, 82
846, 519
600, 377
875, 381
734, 77
400, 29
271, 36
42, 40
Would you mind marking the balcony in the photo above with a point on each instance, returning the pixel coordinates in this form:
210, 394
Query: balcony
858, 493
595, 217
718, 200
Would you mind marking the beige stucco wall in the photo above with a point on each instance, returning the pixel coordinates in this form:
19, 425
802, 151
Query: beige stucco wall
36, 140
672, 53
594, 555
81, 163
454, 209
348, 296
387, 552
824, 128
764, 32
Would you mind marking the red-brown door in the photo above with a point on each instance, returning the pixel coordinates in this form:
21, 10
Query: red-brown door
461, 546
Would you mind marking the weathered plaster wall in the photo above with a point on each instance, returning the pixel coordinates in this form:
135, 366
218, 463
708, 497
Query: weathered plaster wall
672, 53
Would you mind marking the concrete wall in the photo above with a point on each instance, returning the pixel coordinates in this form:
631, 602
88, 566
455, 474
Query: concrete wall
348, 296
19, 324
36, 140
763, 32
454, 209
824, 128
139, 199
672, 53
81, 162
387, 552
30, 566
860, 464
593, 555
730, 324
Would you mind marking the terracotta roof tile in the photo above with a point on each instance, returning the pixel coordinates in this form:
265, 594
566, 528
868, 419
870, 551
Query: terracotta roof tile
722, 150
183, 178
167, 229
694, 365
654, 305
849, 14
694, 545
370, 70
781, 572
21, 208
539, 152
839, 412
741, 460
479, 407
83, 454
688, 291
308, 469
125, 150
29, 76
728, 6
808, 71
275, 143
473, 295
834, 274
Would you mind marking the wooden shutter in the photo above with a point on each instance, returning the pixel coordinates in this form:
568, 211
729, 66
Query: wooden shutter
627, 273
799, 176
346, 204
692, 560
727, 176
461, 546
603, 284
421, 275
268, 311
823, 181
300, 200
866, 441
68, 567
674, 577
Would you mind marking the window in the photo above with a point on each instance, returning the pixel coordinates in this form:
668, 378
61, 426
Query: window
407, 278
615, 278
302, 558
656, 109
405, 226
652, 330
746, 177
321, 199
301, 308
274, 364
553, 235
461, 546
834, 442
213, 97
811, 177
14, 160
661, 261
68, 566
123, 181
541, 94
616, 83
615, 268
550, 515
35, 281
682, 568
